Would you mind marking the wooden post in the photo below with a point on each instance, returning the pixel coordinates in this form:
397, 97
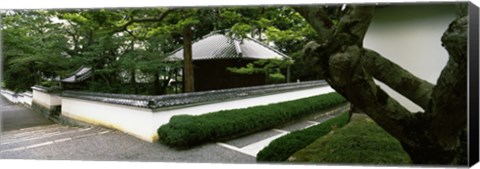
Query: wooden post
187, 59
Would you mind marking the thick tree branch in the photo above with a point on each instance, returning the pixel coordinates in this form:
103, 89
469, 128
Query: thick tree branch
318, 19
397, 78
348, 77
131, 34
140, 20
341, 60
354, 25
449, 97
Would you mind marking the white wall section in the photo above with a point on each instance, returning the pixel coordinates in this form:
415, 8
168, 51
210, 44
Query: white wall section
143, 123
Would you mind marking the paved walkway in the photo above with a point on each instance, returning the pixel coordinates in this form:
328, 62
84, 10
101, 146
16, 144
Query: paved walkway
56, 142
48, 141
14, 117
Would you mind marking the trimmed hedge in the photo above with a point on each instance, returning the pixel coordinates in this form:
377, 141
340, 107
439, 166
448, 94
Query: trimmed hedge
283, 147
188, 130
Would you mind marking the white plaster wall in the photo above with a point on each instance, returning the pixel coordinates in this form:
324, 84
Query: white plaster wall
27, 100
55, 100
131, 120
409, 35
8, 95
18, 99
143, 123
46, 99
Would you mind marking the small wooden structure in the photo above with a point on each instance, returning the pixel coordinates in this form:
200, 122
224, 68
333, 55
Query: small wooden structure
215, 52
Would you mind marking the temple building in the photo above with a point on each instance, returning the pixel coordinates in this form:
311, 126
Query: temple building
215, 52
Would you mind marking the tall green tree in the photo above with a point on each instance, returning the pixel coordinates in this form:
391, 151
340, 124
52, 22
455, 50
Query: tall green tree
271, 68
120, 43
33, 49
93, 43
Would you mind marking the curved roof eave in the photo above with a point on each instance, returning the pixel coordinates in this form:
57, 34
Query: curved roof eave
78, 75
223, 47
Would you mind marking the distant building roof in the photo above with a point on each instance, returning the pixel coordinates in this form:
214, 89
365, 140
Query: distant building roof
79, 75
218, 46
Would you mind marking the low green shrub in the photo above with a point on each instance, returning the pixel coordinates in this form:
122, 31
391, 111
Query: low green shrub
360, 142
283, 147
188, 130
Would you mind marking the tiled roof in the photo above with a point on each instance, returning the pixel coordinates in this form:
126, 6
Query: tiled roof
218, 46
163, 101
79, 75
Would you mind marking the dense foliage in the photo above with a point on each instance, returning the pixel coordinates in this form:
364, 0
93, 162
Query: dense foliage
126, 48
32, 49
188, 130
283, 147
272, 68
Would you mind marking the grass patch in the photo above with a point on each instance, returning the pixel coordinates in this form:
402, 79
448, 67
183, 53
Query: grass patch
188, 130
360, 142
283, 147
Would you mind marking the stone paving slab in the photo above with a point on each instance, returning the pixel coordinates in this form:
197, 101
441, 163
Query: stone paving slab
254, 148
253, 138
296, 126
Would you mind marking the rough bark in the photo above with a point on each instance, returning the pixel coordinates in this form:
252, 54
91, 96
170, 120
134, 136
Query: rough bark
317, 17
352, 81
187, 60
405, 83
430, 137
449, 97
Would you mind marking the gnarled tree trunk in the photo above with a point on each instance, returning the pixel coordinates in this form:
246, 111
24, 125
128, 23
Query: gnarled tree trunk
430, 137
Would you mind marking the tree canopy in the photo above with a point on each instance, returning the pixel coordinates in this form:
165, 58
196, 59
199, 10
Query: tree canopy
125, 47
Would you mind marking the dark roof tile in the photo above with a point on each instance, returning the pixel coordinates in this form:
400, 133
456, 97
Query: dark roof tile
219, 46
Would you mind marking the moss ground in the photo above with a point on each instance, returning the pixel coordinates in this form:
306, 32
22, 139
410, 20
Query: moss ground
362, 141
